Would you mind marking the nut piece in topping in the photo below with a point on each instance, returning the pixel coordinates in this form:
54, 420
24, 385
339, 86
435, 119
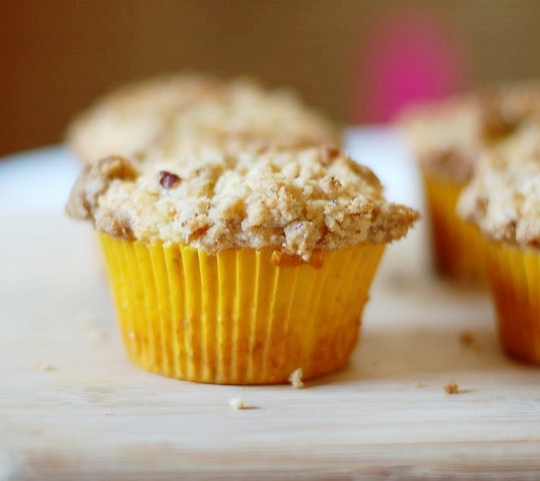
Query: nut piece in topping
168, 180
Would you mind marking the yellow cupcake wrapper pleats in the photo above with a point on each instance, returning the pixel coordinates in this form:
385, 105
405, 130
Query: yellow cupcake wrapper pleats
514, 280
238, 316
458, 248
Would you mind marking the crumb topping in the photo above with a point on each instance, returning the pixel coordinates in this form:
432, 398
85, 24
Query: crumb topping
503, 197
181, 112
443, 136
297, 201
447, 137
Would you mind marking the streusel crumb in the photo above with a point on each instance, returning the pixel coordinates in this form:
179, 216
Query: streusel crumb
503, 197
448, 136
296, 201
236, 403
296, 378
43, 366
186, 112
451, 388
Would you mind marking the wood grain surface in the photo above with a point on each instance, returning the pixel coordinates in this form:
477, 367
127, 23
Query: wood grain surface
72, 407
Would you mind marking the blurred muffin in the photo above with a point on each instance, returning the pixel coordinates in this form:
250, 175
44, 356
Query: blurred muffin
446, 139
239, 268
185, 111
503, 200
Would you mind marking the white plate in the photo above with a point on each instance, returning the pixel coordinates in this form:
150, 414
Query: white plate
36, 181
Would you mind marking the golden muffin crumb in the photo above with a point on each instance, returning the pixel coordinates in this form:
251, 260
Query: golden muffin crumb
451, 388
296, 379
236, 403
297, 201
88, 323
43, 366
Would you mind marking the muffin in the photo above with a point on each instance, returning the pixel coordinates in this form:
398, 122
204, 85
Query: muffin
152, 117
239, 268
446, 138
503, 201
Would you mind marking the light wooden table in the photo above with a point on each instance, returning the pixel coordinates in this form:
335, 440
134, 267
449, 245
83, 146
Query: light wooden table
72, 407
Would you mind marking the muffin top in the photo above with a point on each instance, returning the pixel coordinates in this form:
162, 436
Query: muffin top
503, 197
186, 111
297, 201
448, 136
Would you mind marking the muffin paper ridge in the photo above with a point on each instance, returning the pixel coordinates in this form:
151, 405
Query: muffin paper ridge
236, 317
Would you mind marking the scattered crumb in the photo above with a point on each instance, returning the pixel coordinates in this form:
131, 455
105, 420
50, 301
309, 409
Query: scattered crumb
237, 403
399, 280
451, 388
296, 378
86, 319
419, 385
466, 338
131, 335
88, 322
43, 366
96, 334
106, 413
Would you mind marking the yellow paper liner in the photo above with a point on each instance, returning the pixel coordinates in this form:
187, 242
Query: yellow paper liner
514, 280
458, 248
236, 317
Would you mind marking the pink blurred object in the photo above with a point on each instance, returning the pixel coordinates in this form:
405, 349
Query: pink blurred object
407, 58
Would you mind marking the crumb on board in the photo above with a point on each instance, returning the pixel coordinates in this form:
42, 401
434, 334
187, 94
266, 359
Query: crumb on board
43, 366
451, 388
237, 403
466, 338
88, 322
97, 334
296, 378
419, 385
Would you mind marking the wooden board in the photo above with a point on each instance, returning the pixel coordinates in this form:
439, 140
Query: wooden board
72, 407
